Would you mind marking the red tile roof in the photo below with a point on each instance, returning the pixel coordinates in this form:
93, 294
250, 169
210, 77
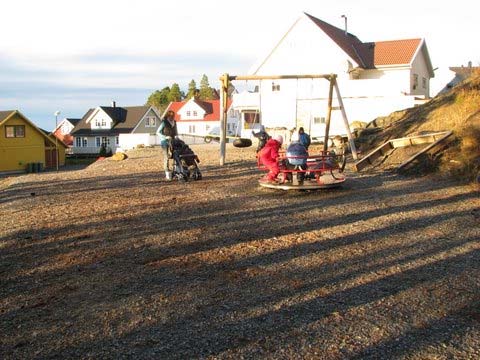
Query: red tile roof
370, 55
395, 52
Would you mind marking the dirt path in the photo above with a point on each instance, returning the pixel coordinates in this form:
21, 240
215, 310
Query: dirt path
112, 262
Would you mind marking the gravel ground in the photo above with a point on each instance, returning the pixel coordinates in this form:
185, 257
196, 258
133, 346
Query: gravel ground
112, 262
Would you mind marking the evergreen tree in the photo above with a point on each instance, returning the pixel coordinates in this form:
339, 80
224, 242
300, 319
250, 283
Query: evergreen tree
175, 93
206, 92
192, 88
160, 99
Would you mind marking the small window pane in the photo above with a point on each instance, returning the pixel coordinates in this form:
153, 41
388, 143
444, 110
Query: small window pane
9, 131
20, 131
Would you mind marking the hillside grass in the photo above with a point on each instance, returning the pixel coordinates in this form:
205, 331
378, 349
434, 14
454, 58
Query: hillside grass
457, 110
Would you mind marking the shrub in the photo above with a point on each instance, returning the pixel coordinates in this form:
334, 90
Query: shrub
103, 151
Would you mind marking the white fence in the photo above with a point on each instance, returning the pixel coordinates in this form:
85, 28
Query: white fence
131, 141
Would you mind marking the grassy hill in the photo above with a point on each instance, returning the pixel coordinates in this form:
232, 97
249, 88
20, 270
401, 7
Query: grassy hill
457, 110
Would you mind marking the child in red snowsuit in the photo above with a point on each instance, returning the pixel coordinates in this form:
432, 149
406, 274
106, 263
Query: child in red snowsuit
268, 156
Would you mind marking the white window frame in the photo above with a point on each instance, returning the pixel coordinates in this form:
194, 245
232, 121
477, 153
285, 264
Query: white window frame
415, 81
98, 141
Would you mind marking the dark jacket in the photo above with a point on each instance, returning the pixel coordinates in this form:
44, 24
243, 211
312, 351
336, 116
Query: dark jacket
304, 139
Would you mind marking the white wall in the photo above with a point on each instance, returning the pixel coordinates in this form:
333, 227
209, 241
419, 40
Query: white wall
419, 67
100, 115
192, 107
305, 50
131, 141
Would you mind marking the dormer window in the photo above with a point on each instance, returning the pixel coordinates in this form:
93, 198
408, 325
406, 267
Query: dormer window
104, 123
97, 123
188, 113
150, 122
194, 113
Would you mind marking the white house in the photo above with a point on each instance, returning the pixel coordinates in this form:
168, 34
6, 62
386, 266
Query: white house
115, 127
197, 117
63, 130
374, 78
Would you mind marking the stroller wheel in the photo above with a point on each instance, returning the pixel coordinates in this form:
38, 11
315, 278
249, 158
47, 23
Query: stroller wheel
197, 175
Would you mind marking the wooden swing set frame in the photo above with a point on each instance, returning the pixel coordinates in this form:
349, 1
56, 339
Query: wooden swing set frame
226, 79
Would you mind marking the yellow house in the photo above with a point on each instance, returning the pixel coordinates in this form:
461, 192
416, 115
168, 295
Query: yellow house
23, 143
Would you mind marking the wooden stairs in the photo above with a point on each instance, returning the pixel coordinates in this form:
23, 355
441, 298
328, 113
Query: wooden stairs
434, 139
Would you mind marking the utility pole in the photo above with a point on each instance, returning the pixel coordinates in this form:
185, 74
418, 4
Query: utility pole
56, 138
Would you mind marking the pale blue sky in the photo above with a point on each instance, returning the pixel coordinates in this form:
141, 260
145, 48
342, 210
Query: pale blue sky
73, 55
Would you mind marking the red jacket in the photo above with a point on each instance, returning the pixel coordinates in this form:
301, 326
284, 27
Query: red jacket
269, 153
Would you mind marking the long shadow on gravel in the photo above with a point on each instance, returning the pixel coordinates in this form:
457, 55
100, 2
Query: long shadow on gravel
218, 326
142, 292
225, 227
443, 333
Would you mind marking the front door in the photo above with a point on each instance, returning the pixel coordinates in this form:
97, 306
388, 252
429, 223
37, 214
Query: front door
50, 158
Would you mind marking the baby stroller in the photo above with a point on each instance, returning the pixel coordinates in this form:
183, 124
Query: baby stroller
185, 162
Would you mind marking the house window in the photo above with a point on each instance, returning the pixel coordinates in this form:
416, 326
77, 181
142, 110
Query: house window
81, 142
194, 113
424, 83
191, 129
150, 122
415, 81
105, 140
117, 140
97, 123
104, 123
275, 87
97, 142
207, 127
319, 120
251, 118
65, 130
15, 131
188, 113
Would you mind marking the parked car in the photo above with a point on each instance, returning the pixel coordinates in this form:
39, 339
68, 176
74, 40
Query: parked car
214, 134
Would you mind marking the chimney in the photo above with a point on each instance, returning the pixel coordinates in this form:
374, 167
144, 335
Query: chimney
469, 64
343, 16
114, 104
